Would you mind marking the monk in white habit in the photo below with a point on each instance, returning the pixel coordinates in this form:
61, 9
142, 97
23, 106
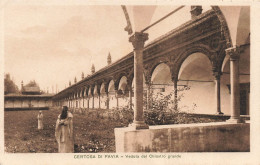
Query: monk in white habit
40, 120
64, 131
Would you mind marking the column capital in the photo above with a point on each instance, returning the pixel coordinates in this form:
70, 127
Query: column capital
138, 39
217, 75
174, 79
148, 80
233, 53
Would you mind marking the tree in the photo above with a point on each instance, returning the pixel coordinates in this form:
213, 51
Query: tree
9, 85
32, 83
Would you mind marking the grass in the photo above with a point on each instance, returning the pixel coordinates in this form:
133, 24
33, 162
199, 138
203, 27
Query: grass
92, 132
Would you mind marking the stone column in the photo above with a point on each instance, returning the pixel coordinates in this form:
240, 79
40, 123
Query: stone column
130, 97
175, 83
93, 101
99, 101
107, 100
234, 83
148, 84
83, 98
217, 76
88, 101
138, 39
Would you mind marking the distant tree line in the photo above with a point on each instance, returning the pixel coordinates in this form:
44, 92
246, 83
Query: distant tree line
9, 85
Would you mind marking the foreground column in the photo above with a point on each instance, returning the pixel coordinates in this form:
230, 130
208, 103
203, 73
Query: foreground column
138, 40
234, 83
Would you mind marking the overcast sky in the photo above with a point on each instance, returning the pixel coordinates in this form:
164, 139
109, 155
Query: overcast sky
54, 44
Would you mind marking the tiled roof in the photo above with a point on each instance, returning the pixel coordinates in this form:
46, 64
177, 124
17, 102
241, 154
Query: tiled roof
31, 89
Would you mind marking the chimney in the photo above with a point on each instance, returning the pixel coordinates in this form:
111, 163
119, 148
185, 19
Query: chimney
195, 11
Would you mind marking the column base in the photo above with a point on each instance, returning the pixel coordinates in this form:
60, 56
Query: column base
138, 125
219, 113
239, 120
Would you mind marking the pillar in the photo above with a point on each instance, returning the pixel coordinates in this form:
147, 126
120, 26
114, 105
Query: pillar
107, 100
93, 101
175, 83
83, 105
99, 101
88, 102
130, 97
138, 39
148, 84
117, 101
234, 83
217, 76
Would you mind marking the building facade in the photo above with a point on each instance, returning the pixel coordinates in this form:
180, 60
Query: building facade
30, 98
192, 56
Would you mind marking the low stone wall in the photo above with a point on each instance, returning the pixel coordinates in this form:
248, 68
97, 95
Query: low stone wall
203, 137
26, 108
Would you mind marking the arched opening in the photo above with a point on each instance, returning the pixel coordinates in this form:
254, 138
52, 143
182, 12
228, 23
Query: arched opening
96, 97
161, 82
103, 96
90, 98
123, 92
161, 79
196, 74
82, 105
112, 95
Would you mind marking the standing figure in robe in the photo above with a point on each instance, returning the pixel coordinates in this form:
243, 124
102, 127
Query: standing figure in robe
40, 120
64, 131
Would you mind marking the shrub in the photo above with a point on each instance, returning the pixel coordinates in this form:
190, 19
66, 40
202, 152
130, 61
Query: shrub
163, 110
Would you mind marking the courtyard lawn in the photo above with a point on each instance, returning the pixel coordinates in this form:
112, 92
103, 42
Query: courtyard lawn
92, 132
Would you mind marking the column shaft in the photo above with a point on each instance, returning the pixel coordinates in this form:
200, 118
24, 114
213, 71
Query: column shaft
107, 100
217, 92
175, 95
130, 98
148, 96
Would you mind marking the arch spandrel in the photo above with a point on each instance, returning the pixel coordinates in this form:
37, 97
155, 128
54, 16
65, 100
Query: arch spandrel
224, 26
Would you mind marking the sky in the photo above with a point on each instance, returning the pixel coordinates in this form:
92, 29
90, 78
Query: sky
54, 44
